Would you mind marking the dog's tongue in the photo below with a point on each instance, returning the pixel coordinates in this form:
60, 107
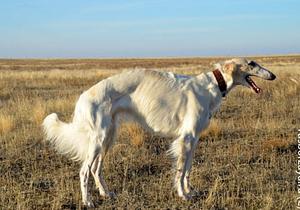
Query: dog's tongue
253, 85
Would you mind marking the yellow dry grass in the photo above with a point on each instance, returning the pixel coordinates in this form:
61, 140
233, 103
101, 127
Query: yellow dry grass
135, 133
38, 112
244, 159
6, 124
213, 129
275, 144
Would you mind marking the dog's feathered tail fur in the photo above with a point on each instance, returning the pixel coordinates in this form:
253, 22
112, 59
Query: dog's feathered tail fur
175, 148
67, 138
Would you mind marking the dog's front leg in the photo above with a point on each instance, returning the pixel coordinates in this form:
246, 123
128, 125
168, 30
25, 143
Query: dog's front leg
186, 181
184, 153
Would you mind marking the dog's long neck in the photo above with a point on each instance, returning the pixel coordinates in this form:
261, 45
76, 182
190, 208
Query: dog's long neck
210, 83
213, 85
224, 81
221, 82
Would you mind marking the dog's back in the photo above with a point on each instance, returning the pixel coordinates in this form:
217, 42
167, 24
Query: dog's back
155, 96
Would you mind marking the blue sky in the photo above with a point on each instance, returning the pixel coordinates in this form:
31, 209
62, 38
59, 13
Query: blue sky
153, 28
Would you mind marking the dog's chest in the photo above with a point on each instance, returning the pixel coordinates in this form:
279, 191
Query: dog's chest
214, 106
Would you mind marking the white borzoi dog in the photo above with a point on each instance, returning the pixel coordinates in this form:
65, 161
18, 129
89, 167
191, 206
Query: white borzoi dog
173, 105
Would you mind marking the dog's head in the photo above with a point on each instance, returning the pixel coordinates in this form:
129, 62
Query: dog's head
241, 70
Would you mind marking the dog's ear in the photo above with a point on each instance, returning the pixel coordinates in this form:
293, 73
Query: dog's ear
218, 66
229, 67
252, 64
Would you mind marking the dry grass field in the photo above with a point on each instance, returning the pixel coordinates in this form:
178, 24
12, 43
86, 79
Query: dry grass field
245, 160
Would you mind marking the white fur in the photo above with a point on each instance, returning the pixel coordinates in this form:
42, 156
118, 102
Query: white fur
67, 138
172, 105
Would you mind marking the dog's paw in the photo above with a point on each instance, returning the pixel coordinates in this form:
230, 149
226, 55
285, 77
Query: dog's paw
193, 193
88, 204
109, 195
112, 195
190, 195
186, 197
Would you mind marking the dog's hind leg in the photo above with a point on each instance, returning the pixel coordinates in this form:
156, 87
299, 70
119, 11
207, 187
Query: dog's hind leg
98, 176
98, 164
84, 174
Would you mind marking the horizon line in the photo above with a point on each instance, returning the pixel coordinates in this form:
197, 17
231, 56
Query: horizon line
147, 57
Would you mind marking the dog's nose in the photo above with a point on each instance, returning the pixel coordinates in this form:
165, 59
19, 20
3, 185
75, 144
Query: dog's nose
272, 76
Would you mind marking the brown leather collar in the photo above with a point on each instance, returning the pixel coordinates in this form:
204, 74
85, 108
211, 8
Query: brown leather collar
221, 82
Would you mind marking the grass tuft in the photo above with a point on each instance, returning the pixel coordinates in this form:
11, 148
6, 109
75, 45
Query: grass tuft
135, 133
39, 112
213, 130
7, 124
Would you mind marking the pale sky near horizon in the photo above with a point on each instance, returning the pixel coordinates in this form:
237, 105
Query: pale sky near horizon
147, 28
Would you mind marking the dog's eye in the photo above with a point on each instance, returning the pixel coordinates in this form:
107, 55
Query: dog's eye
252, 64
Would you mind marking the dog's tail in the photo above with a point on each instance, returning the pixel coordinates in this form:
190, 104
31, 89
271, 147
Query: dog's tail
67, 138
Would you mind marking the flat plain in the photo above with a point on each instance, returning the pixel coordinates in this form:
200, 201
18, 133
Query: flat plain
246, 159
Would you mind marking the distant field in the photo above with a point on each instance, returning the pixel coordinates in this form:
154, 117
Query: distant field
245, 160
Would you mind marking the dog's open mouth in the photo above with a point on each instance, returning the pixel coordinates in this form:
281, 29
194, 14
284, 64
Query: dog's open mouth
253, 85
